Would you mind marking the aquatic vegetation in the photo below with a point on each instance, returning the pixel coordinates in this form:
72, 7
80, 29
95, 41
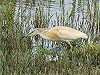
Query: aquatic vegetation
31, 56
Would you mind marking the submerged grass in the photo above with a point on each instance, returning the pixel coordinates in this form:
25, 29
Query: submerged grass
17, 57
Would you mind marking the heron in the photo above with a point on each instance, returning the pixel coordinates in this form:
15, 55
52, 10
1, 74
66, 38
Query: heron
58, 33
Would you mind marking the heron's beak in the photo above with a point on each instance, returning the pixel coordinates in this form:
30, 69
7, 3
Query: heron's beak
25, 36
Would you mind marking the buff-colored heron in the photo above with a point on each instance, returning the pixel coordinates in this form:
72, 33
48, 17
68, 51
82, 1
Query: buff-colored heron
59, 33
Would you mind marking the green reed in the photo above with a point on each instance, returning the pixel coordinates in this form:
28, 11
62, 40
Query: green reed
17, 57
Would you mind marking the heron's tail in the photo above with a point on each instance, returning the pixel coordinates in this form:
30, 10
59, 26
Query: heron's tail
84, 36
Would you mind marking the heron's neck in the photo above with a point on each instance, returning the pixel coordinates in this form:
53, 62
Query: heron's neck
41, 30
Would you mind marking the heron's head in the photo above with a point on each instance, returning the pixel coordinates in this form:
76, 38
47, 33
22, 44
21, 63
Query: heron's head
35, 32
32, 33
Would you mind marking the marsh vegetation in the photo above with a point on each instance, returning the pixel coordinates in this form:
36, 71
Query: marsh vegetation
30, 56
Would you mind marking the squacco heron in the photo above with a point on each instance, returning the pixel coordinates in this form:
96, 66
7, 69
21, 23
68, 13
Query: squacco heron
59, 33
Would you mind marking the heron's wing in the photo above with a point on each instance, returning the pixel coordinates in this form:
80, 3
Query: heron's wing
52, 34
67, 33
64, 33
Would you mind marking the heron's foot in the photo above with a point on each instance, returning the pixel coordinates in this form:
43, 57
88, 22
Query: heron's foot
71, 48
56, 50
56, 47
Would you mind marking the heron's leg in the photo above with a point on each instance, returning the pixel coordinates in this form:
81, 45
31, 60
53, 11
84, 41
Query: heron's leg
69, 45
70, 51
